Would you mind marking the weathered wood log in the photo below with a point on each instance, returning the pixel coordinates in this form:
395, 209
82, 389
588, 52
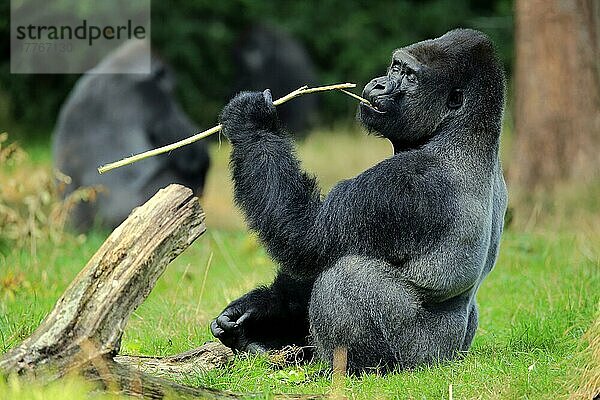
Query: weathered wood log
83, 331
117, 378
206, 357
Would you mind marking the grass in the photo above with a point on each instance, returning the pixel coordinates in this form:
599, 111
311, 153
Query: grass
535, 307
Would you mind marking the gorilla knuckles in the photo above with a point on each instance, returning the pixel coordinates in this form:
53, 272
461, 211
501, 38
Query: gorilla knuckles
428, 83
388, 264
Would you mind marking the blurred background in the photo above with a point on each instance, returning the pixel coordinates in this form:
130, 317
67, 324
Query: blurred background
346, 40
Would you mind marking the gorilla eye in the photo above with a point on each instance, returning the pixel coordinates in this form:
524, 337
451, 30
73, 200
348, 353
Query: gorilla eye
455, 100
411, 77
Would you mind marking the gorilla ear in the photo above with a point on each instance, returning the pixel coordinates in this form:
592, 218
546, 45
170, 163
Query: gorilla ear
455, 99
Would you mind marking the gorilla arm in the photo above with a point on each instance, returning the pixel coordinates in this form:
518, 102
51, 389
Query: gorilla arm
279, 200
280, 203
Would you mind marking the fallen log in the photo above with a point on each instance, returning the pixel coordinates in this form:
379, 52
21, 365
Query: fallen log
206, 357
83, 332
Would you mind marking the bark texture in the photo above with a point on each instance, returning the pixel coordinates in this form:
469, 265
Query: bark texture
557, 104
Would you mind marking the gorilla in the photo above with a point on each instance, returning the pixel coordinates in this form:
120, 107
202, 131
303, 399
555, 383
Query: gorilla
266, 57
108, 116
388, 264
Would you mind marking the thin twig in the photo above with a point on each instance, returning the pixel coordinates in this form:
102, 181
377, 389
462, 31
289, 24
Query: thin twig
357, 97
208, 264
165, 149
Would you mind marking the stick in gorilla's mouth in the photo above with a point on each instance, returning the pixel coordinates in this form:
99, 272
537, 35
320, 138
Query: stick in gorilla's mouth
361, 99
372, 107
201, 135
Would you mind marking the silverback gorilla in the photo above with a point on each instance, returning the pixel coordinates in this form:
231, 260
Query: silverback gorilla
388, 264
109, 116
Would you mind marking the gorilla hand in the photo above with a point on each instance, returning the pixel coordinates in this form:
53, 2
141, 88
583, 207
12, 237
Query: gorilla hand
249, 116
235, 326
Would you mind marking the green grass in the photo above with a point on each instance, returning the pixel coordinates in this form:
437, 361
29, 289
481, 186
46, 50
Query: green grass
534, 307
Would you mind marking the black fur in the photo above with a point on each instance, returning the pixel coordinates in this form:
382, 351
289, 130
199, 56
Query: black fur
388, 263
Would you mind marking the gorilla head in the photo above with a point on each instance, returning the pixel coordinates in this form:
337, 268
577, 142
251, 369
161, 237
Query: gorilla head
432, 87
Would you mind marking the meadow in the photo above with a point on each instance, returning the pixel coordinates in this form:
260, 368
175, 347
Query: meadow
539, 330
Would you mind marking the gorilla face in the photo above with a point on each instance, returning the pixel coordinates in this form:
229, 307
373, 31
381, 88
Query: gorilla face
404, 108
426, 86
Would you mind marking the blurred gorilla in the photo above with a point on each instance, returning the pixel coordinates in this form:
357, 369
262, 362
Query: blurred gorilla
268, 58
109, 116
388, 264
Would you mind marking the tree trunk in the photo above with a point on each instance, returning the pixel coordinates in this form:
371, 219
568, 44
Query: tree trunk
557, 104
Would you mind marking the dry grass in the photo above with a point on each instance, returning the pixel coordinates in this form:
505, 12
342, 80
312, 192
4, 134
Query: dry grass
30, 209
587, 385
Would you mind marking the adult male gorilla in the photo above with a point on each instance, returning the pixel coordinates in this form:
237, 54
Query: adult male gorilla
389, 263
109, 116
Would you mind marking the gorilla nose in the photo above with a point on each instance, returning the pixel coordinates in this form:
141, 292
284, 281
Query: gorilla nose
381, 86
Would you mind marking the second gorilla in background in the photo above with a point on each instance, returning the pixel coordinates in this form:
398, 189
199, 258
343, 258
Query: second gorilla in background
109, 116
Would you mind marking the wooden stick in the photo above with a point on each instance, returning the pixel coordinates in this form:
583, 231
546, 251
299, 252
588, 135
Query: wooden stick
204, 358
83, 332
165, 149
357, 97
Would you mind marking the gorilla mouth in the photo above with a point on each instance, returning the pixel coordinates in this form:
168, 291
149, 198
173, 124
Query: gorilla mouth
372, 118
372, 107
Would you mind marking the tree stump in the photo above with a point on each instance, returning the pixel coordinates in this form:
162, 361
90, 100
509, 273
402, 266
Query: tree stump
83, 331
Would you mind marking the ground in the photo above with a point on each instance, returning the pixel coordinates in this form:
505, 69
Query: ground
535, 307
